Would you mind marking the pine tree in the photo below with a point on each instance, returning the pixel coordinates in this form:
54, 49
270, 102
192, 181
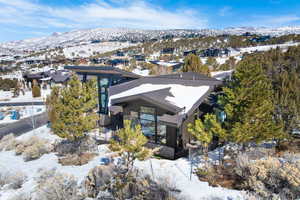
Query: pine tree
201, 132
192, 63
36, 90
131, 145
212, 62
248, 103
74, 109
51, 102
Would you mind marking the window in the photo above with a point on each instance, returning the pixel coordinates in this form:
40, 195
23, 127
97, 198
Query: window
161, 133
103, 85
148, 122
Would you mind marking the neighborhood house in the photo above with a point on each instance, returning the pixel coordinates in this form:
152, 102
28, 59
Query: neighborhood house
163, 105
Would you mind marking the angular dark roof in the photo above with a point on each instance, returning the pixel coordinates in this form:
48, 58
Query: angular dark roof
155, 97
102, 70
186, 76
158, 97
59, 77
183, 78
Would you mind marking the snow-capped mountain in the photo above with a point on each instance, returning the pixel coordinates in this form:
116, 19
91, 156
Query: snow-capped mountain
79, 37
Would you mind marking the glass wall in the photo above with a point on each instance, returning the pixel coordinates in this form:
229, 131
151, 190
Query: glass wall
148, 122
103, 84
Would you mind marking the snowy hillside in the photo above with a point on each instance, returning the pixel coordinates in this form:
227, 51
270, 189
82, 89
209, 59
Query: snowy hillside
87, 36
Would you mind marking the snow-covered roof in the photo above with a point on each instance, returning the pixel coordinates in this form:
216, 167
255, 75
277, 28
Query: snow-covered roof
180, 95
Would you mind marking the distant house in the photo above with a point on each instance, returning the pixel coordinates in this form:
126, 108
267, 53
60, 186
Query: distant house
214, 52
169, 51
247, 34
117, 62
49, 77
163, 106
174, 65
119, 54
139, 57
95, 41
261, 39
190, 52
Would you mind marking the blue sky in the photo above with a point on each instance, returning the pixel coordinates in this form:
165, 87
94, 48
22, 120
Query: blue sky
21, 19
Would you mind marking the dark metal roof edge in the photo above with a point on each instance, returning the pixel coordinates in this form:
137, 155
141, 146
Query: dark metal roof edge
85, 67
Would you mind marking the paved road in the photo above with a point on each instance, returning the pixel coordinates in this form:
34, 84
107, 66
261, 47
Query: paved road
22, 103
23, 125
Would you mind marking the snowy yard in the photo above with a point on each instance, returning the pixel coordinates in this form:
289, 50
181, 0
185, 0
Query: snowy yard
176, 172
7, 96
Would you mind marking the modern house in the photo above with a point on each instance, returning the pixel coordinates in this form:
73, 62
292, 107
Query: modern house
49, 77
163, 106
214, 52
175, 66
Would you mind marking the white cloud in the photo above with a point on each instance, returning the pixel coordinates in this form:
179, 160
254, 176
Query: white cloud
100, 13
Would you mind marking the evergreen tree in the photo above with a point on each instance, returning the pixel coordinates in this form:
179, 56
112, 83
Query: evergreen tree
192, 63
51, 101
36, 90
131, 145
248, 103
201, 132
74, 109
212, 62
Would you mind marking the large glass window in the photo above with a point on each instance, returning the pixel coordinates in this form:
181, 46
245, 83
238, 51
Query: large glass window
161, 133
103, 85
148, 122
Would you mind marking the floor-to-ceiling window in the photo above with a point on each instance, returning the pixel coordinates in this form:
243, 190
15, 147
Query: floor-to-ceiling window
148, 122
103, 84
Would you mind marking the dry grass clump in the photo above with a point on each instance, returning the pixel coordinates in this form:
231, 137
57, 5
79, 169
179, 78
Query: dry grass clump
33, 148
12, 180
75, 159
67, 147
8, 143
52, 185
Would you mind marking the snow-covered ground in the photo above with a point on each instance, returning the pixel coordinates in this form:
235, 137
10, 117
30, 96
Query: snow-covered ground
266, 47
25, 111
88, 50
141, 72
7, 96
176, 172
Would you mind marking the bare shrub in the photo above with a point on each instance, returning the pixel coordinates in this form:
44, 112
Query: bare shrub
242, 162
66, 147
74, 159
8, 143
52, 185
33, 148
19, 149
97, 179
270, 177
12, 180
